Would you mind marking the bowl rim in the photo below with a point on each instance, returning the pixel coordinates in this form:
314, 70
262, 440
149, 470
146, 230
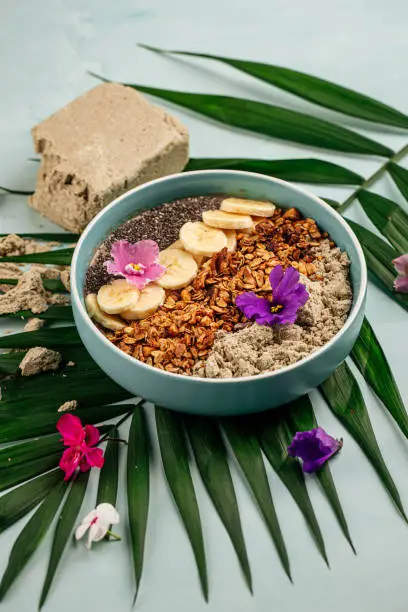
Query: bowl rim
354, 313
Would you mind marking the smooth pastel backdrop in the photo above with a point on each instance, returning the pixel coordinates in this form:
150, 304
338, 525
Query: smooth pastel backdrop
46, 49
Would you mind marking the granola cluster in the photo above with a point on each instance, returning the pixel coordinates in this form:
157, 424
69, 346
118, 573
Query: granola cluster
181, 333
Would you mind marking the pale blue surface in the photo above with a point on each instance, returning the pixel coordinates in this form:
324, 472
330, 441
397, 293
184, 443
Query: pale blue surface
45, 49
206, 396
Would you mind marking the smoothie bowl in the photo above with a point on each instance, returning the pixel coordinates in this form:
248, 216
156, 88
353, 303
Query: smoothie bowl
218, 292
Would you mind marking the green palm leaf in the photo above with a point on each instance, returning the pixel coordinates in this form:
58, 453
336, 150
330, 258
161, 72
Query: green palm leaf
315, 171
369, 357
387, 216
60, 257
23, 425
28, 451
17, 503
109, 474
342, 393
45, 236
311, 88
269, 120
15, 191
50, 284
246, 449
301, 417
274, 437
50, 338
20, 473
379, 256
53, 313
400, 177
138, 489
174, 455
31, 536
211, 458
63, 530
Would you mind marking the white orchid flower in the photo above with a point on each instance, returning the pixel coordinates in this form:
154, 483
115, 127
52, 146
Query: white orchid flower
97, 523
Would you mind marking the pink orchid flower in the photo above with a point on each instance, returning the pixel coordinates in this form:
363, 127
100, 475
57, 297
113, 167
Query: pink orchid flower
80, 454
401, 266
138, 262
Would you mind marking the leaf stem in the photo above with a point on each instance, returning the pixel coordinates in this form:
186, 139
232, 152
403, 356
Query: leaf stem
116, 425
113, 535
373, 178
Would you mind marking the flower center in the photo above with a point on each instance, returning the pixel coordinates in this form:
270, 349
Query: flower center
276, 308
135, 268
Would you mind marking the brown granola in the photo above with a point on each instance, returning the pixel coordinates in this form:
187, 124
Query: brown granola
182, 331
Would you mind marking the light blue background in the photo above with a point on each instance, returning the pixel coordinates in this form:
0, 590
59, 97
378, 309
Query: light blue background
46, 48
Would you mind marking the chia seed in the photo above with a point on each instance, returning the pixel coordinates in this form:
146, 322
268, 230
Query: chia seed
161, 224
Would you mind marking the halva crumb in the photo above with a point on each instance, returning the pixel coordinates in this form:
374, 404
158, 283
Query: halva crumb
39, 359
68, 406
33, 324
29, 294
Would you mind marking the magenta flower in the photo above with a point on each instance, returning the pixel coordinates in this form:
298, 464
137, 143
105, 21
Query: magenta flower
138, 262
80, 454
314, 447
401, 266
288, 295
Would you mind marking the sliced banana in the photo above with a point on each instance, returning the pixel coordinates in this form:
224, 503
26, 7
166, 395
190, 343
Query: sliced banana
231, 240
226, 220
117, 296
258, 208
181, 268
150, 298
200, 239
176, 245
107, 320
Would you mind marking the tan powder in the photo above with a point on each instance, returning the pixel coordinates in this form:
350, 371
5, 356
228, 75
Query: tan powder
257, 349
39, 359
10, 270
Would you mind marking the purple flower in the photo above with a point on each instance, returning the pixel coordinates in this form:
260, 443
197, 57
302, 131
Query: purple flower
314, 447
136, 262
288, 295
401, 266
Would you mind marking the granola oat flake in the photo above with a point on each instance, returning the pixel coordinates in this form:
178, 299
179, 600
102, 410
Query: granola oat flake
218, 260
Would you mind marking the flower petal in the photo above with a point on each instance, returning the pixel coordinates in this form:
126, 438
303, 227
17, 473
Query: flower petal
252, 305
81, 530
94, 457
70, 427
401, 284
91, 435
276, 276
121, 253
97, 532
401, 264
145, 252
287, 284
108, 513
69, 461
314, 447
154, 271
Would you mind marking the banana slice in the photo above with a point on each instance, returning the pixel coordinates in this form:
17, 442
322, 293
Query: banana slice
117, 296
176, 245
200, 239
180, 268
226, 220
258, 208
108, 321
231, 240
150, 298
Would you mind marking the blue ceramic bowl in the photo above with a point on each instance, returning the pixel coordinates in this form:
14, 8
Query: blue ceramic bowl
217, 396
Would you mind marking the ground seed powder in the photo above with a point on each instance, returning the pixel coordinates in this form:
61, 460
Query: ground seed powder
258, 348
